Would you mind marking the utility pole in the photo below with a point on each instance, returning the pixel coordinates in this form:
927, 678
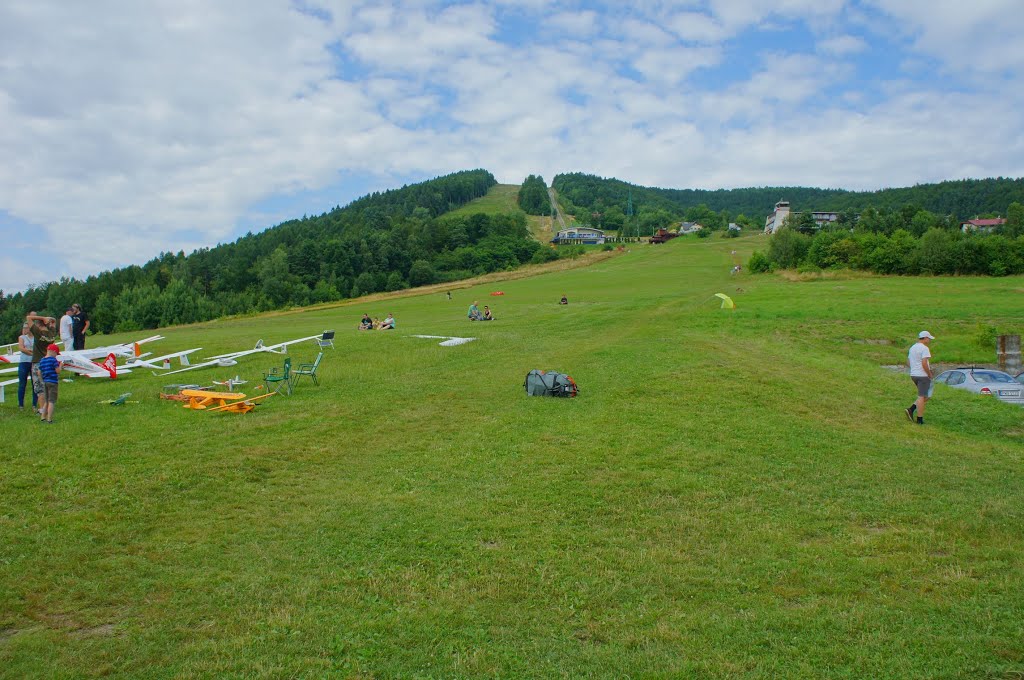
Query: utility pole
629, 210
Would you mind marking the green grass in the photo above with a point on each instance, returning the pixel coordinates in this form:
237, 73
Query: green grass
733, 493
502, 199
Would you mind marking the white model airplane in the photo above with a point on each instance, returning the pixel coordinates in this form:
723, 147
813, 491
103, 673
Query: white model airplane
80, 361
231, 382
231, 358
79, 365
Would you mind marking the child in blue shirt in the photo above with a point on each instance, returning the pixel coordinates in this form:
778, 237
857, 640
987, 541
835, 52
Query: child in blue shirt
48, 369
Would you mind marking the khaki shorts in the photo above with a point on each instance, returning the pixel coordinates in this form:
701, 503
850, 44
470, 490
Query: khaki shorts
51, 392
924, 385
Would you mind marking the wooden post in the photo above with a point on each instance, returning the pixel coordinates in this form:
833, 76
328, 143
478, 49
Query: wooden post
1008, 353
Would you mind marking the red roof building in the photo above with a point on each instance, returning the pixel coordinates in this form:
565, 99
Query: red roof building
982, 225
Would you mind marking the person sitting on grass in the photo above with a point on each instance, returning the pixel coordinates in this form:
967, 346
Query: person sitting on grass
487, 314
366, 323
564, 300
388, 323
474, 312
48, 368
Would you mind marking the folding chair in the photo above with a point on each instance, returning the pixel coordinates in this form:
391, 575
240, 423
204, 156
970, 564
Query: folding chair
280, 379
308, 369
327, 340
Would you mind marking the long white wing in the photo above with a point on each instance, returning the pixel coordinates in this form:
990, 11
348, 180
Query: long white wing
155, 362
231, 358
223, 361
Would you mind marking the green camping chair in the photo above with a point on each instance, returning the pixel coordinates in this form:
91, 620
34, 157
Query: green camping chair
280, 379
308, 369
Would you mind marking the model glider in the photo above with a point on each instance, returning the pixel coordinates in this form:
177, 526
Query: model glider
231, 358
160, 362
727, 302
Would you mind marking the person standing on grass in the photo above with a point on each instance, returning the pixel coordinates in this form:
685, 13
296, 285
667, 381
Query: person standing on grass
48, 369
919, 359
67, 330
42, 330
80, 324
25, 344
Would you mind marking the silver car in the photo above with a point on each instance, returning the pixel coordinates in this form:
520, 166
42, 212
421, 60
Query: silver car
985, 381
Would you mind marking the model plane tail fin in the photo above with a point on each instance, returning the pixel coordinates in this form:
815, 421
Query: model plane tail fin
111, 365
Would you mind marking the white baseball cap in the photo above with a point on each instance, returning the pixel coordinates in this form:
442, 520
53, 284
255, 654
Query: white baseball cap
925, 334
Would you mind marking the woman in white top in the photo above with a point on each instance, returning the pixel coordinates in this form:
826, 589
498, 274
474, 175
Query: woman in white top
25, 345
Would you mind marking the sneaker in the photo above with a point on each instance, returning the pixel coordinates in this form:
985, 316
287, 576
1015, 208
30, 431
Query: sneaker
910, 414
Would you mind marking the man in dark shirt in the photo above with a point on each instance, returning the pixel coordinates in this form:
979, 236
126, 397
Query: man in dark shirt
80, 324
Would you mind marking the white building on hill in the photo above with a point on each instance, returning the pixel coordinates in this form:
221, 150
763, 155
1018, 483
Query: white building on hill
778, 218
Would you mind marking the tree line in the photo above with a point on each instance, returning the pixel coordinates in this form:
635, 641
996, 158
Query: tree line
381, 242
898, 242
533, 196
603, 202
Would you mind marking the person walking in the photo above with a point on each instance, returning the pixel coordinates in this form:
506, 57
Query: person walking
25, 345
919, 359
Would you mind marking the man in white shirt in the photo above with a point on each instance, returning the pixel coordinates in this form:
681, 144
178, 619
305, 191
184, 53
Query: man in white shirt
67, 333
919, 359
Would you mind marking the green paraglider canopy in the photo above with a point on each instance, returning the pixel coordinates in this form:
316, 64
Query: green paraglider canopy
727, 302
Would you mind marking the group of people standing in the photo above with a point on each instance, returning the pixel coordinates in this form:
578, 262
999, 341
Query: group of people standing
73, 326
368, 324
39, 363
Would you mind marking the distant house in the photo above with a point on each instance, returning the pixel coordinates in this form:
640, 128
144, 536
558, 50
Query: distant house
782, 213
690, 227
982, 225
735, 227
584, 235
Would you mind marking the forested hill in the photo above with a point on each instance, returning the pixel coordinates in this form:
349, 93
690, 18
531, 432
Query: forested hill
963, 199
381, 242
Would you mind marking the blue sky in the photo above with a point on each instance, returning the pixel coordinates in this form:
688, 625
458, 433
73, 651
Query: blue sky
127, 129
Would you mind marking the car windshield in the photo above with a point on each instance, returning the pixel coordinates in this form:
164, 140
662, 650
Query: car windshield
991, 377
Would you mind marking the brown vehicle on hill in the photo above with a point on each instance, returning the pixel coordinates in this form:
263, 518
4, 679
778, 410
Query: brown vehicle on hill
662, 235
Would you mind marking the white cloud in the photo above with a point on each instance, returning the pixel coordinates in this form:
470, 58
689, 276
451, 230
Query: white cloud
142, 128
982, 35
15, 275
842, 45
697, 27
573, 24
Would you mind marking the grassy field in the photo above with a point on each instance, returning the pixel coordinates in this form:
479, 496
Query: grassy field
732, 494
502, 199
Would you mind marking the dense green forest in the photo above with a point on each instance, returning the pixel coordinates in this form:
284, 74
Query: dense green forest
594, 199
381, 242
533, 196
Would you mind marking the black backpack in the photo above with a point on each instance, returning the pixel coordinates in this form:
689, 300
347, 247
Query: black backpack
550, 384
